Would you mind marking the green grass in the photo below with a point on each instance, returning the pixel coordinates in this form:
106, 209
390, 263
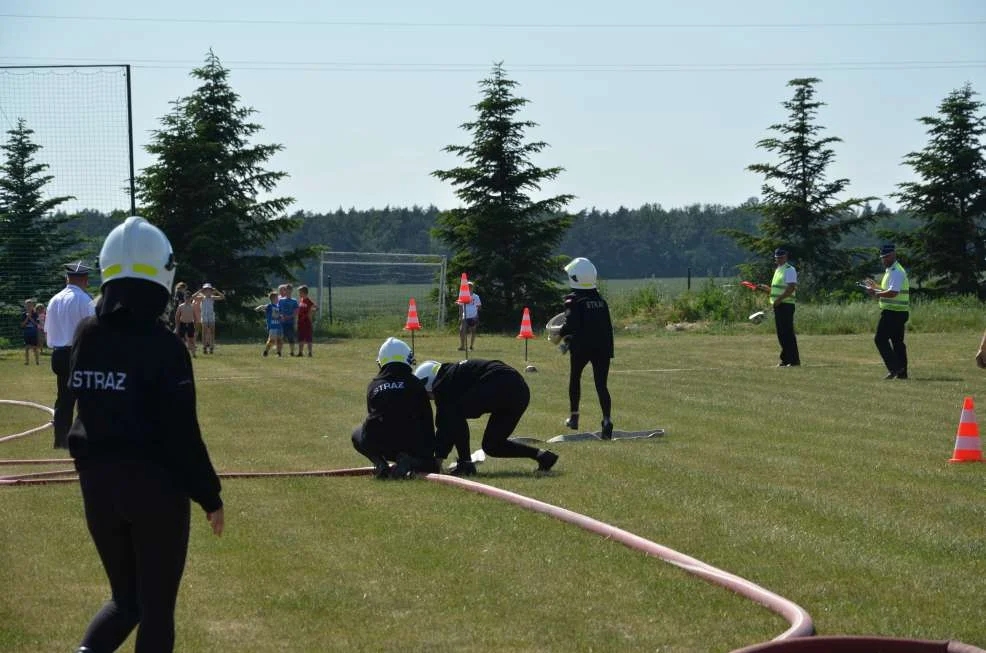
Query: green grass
823, 483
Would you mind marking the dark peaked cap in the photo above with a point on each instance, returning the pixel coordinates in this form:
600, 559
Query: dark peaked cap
77, 269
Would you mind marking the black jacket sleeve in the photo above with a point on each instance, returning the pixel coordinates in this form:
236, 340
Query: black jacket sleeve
186, 452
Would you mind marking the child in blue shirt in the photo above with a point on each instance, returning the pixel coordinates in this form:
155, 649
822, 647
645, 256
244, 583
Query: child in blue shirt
288, 309
273, 319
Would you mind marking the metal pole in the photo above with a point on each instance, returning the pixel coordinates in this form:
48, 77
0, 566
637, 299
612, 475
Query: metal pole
689, 278
330, 298
130, 136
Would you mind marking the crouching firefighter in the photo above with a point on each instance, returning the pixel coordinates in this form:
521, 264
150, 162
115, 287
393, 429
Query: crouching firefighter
398, 426
473, 388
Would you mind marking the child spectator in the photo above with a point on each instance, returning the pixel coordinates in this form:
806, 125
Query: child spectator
42, 313
273, 318
29, 325
207, 312
181, 289
288, 310
186, 316
468, 319
305, 328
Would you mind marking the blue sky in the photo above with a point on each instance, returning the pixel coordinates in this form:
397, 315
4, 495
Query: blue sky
363, 96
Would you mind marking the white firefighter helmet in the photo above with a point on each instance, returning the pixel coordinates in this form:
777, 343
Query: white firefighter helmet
553, 328
581, 273
394, 350
137, 249
427, 372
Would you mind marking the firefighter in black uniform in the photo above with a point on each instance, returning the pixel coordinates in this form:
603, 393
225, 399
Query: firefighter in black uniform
588, 335
398, 424
470, 389
136, 442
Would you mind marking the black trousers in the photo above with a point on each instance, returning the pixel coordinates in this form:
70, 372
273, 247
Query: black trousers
600, 374
784, 321
381, 453
138, 519
64, 402
509, 396
889, 340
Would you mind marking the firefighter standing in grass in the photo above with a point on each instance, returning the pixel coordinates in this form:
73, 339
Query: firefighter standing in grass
470, 389
588, 335
136, 442
398, 424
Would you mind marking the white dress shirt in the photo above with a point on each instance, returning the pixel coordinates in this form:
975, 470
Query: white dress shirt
65, 311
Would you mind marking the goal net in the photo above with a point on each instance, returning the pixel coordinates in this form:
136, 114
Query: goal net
357, 286
79, 117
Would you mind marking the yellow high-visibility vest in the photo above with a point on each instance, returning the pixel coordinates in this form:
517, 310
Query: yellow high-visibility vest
902, 301
777, 285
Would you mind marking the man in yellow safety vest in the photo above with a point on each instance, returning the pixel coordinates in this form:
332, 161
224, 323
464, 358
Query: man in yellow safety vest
892, 293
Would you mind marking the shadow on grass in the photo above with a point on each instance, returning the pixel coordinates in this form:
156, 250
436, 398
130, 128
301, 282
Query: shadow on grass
935, 379
512, 473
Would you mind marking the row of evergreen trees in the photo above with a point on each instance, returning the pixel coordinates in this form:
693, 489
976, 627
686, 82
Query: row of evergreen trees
206, 185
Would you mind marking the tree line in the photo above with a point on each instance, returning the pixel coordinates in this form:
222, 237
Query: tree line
210, 191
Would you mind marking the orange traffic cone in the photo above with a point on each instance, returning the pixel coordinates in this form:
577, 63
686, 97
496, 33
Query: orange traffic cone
525, 326
968, 448
465, 297
412, 323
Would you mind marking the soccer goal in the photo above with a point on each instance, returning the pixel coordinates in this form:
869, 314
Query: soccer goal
356, 286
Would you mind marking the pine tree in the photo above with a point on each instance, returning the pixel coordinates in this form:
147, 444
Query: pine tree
203, 192
32, 247
949, 245
501, 238
799, 208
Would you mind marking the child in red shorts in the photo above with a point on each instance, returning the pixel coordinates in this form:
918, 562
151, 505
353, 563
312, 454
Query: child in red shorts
305, 308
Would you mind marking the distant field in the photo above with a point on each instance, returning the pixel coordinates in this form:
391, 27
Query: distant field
824, 484
352, 303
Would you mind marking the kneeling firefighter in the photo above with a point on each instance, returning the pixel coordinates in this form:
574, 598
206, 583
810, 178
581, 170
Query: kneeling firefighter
398, 425
473, 388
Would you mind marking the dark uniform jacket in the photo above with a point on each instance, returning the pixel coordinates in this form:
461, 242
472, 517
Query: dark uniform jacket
468, 390
588, 323
136, 397
399, 413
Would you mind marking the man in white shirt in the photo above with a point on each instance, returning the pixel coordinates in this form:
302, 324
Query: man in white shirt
468, 319
65, 310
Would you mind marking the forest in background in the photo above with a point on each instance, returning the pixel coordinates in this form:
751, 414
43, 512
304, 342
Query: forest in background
648, 241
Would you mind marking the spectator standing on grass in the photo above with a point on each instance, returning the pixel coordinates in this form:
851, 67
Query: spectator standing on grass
894, 298
40, 311
137, 444
186, 317
305, 326
287, 307
473, 388
29, 327
782, 289
469, 319
66, 309
588, 335
207, 298
273, 319
398, 426
181, 290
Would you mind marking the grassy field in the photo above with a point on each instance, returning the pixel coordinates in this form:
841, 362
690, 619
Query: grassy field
824, 484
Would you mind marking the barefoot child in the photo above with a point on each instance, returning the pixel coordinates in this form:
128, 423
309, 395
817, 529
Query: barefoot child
207, 297
186, 315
